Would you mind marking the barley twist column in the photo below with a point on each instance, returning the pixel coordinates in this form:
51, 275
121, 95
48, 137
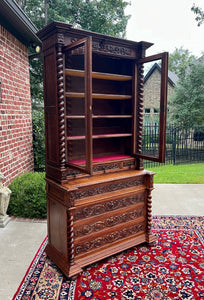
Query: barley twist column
70, 238
149, 213
140, 107
150, 238
60, 92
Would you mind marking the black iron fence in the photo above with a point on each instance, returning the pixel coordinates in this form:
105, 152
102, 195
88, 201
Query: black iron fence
182, 145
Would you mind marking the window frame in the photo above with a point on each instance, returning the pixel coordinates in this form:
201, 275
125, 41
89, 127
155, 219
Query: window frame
163, 107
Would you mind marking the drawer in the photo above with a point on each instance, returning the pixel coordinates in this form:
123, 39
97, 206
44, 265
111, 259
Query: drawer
114, 201
101, 189
108, 220
108, 237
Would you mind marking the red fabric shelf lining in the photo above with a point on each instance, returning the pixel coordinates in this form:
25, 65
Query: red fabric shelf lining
99, 159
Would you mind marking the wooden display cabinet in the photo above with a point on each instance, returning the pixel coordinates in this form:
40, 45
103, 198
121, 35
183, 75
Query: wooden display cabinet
98, 194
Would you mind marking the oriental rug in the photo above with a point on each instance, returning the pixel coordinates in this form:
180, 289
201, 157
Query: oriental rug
171, 269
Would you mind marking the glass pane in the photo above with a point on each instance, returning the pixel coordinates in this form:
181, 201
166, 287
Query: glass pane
75, 105
152, 79
152, 96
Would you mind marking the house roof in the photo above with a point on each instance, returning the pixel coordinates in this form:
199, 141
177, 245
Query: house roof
172, 77
17, 23
200, 60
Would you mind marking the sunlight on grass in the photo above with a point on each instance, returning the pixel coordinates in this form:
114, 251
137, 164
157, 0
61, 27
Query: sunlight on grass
191, 173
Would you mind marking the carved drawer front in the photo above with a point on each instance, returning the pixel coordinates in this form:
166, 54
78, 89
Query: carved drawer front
106, 187
102, 224
108, 237
103, 206
114, 166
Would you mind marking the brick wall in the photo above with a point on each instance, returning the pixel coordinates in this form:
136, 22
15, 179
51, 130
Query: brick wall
16, 155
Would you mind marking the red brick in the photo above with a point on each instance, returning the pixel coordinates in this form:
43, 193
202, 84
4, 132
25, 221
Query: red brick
16, 153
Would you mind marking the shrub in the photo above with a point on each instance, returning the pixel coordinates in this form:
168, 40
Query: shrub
169, 138
39, 140
199, 134
28, 197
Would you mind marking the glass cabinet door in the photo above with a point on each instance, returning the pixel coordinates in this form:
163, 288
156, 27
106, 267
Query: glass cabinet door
78, 104
150, 107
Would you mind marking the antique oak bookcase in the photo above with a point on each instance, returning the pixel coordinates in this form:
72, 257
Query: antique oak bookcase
98, 193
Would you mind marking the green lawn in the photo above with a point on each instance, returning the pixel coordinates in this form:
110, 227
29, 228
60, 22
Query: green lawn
191, 173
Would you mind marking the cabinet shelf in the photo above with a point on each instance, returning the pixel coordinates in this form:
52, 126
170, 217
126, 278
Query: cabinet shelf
111, 96
100, 159
99, 96
112, 116
75, 117
74, 95
101, 117
99, 136
98, 75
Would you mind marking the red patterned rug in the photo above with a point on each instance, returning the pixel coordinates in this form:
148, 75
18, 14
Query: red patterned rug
172, 269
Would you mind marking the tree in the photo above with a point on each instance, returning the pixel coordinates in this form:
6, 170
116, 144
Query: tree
36, 81
180, 60
187, 103
199, 14
35, 10
104, 16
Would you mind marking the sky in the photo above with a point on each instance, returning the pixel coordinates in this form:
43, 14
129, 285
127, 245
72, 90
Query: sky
168, 24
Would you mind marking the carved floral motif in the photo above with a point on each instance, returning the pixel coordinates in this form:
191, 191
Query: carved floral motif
110, 205
106, 167
109, 238
128, 164
109, 222
103, 46
106, 188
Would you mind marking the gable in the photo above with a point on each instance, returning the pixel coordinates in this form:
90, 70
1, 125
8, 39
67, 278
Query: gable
172, 77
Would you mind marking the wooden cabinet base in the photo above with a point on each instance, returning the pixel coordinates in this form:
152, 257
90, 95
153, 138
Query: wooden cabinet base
59, 260
76, 268
98, 195
94, 217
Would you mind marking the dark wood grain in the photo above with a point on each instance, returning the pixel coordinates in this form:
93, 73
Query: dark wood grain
98, 194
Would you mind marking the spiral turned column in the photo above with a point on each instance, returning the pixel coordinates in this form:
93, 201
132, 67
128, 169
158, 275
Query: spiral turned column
70, 239
149, 212
69, 112
150, 238
60, 92
140, 108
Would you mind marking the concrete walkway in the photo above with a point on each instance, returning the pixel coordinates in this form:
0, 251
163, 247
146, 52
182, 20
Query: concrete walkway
20, 239
178, 199
19, 242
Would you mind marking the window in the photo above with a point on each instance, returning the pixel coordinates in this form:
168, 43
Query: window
147, 110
